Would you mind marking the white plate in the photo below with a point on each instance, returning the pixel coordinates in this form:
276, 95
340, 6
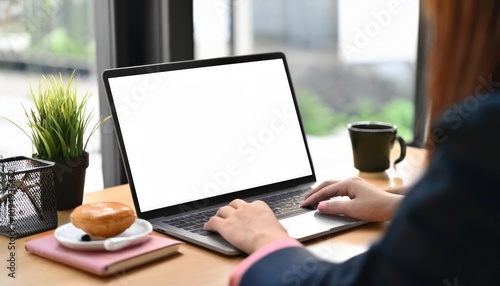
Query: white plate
71, 236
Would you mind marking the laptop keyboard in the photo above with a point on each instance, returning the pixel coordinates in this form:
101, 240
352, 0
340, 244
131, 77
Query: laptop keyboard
283, 205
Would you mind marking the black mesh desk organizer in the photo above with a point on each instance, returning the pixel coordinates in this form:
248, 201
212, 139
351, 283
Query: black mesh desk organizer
27, 196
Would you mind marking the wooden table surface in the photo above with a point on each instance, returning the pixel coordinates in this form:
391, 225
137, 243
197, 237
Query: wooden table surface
194, 265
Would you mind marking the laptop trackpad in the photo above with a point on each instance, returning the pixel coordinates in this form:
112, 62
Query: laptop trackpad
314, 224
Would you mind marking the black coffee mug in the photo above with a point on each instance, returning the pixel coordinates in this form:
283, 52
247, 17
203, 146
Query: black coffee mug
372, 143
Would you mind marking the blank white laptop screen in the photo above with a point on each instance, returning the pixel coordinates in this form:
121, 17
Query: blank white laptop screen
201, 132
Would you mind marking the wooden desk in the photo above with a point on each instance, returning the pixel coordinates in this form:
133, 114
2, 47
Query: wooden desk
194, 265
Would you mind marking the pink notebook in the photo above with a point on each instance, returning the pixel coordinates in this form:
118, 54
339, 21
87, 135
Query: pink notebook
104, 263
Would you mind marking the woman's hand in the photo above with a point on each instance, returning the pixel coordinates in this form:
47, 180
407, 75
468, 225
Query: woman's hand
250, 226
247, 226
366, 201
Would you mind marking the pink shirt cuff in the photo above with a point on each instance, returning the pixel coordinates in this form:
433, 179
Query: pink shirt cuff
240, 270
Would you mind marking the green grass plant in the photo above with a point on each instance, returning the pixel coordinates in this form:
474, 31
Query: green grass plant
59, 121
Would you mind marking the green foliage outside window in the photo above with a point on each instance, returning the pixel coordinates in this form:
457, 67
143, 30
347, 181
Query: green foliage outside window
321, 120
318, 119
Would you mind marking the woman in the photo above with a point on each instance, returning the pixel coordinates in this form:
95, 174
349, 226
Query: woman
446, 230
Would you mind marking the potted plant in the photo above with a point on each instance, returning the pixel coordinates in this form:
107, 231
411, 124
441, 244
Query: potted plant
60, 131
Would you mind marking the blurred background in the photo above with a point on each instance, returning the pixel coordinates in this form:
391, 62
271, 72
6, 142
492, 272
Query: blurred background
349, 59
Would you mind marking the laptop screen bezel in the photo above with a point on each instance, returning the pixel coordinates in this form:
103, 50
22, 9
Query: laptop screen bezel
219, 199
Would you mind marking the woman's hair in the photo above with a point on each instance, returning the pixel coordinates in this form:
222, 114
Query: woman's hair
464, 58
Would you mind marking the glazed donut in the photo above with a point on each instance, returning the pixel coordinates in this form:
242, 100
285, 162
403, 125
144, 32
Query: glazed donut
104, 219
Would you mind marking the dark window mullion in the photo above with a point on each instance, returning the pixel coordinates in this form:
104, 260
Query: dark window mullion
421, 104
130, 32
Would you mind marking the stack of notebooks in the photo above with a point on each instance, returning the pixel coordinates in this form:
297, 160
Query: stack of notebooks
104, 263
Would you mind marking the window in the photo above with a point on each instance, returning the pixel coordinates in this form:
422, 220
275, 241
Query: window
349, 59
45, 37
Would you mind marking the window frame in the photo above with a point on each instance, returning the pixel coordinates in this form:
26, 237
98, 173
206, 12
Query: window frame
130, 33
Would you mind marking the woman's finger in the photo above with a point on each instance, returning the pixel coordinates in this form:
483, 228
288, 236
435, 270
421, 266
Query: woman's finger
320, 187
326, 193
225, 211
237, 203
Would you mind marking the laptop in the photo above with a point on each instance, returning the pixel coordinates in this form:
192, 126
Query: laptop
195, 135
